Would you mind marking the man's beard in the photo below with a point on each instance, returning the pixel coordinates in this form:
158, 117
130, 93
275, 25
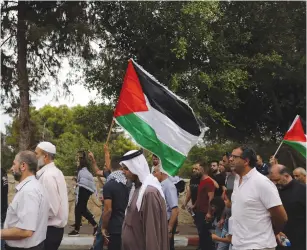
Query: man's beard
214, 171
40, 162
17, 175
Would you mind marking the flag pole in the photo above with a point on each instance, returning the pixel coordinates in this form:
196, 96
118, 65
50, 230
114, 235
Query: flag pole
109, 134
278, 149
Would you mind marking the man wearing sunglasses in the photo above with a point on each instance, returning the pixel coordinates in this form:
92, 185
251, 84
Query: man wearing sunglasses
257, 211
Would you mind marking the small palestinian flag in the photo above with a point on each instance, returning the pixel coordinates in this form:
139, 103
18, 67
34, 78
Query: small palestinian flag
295, 137
156, 118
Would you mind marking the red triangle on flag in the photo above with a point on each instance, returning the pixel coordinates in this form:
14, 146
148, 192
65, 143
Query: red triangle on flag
131, 98
296, 131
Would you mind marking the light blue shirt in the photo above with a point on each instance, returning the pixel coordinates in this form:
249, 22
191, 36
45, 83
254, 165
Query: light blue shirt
171, 198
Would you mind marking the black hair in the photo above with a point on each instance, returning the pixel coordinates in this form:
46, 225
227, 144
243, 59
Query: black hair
83, 159
250, 154
204, 166
215, 161
115, 163
227, 154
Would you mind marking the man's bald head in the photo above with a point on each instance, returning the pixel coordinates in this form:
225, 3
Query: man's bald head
280, 175
275, 172
300, 175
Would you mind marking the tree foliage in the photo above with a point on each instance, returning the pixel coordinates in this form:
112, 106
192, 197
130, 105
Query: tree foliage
35, 36
241, 65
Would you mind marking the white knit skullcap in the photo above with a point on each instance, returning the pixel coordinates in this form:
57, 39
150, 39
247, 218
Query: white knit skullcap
47, 147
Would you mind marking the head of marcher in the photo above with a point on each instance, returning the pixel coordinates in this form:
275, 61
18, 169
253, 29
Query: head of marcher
222, 168
280, 175
203, 169
225, 159
155, 160
300, 175
242, 159
214, 167
136, 169
259, 161
159, 173
196, 170
24, 165
45, 153
135, 166
82, 161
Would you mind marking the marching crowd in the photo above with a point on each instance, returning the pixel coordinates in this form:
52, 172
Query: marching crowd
239, 202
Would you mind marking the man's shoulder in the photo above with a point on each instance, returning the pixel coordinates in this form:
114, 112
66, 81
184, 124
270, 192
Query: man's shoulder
263, 182
113, 184
54, 172
168, 183
32, 187
299, 186
150, 190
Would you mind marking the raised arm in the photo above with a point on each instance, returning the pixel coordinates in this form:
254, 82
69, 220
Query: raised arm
95, 168
107, 157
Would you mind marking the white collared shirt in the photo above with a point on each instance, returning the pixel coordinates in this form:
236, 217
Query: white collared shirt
251, 220
54, 183
28, 211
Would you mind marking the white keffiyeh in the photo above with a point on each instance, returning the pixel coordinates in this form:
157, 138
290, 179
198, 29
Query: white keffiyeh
139, 166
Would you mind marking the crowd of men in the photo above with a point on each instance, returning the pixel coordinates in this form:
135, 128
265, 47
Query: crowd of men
239, 202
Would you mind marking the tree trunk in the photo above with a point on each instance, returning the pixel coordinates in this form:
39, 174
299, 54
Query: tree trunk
23, 81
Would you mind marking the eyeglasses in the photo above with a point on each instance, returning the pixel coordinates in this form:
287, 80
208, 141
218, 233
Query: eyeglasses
235, 156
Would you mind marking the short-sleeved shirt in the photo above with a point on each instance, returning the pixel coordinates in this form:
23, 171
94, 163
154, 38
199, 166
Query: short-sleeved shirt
29, 211
194, 183
220, 179
205, 186
118, 193
252, 226
171, 198
4, 194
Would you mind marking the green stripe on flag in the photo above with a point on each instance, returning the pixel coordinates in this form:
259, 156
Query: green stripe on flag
300, 147
146, 137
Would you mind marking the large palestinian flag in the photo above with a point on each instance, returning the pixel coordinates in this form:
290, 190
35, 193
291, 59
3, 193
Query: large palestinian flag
157, 119
295, 137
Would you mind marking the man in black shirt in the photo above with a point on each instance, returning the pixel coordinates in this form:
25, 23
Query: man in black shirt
4, 199
115, 194
218, 177
193, 187
293, 197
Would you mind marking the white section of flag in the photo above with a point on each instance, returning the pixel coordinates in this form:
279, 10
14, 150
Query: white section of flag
168, 131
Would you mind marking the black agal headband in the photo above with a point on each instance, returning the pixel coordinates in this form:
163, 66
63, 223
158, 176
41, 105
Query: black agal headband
131, 156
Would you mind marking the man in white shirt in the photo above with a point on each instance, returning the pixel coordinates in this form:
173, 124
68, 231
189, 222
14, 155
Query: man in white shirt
25, 225
257, 212
54, 183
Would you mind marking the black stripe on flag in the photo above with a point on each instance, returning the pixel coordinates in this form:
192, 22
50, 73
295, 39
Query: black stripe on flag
167, 103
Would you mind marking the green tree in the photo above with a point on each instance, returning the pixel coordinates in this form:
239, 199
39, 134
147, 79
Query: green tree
240, 65
35, 35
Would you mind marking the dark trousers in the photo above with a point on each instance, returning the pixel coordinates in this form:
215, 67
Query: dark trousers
115, 242
81, 208
172, 240
203, 228
38, 247
53, 238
